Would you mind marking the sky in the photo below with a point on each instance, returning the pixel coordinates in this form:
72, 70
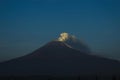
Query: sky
26, 25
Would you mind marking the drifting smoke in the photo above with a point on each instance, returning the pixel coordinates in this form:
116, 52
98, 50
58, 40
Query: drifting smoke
73, 42
65, 36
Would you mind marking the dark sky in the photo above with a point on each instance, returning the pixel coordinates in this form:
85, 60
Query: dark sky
25, 25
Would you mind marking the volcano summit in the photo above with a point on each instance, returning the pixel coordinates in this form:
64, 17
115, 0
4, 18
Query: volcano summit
73, 42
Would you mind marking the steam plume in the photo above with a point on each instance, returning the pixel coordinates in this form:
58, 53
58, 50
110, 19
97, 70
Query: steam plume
73, 42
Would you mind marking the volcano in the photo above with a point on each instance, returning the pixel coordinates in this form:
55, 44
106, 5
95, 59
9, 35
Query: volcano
59, 58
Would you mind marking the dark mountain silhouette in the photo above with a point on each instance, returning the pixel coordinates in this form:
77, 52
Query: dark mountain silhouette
57, 58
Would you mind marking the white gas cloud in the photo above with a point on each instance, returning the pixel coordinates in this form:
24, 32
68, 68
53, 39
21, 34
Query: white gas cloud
73, 42
63, 36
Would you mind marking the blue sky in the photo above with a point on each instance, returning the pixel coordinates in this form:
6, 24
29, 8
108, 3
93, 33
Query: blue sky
25, 25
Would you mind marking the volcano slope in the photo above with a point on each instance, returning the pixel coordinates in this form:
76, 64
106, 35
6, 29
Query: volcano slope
57, 58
